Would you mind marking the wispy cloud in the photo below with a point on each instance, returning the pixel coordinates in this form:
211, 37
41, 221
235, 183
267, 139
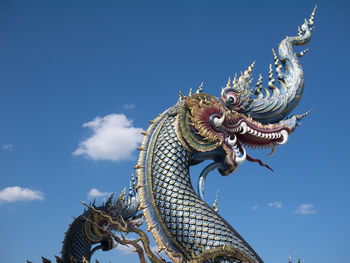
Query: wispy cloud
305, 209
255, 207
7, 147
114, 138
129, 106
17, 193
127, 250
275, 204
95, 193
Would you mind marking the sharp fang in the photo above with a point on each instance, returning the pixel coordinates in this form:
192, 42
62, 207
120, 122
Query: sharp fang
240, 160
244, 127
232, 143
284, 134
273, 150
218, 122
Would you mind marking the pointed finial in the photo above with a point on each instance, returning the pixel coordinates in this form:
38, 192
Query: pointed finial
250, 68
190, 93
312, 17
181, 96
272, 80
234, 81
249, 71
300, 33
258, 86
275, 58
277, 64
228, 85
245, 76
200, 88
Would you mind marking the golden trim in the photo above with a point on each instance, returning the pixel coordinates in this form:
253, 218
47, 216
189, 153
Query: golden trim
179, 136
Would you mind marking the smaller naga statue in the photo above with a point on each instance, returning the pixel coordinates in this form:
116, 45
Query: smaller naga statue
95, 225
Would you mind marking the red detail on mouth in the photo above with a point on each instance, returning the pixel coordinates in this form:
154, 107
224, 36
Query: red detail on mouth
251, 159
259, 161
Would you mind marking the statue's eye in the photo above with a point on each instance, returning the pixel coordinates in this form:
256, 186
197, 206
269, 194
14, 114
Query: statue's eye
231, 98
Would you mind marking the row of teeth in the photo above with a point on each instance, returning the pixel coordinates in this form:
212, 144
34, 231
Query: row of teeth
254, 147
243, 128
274, 135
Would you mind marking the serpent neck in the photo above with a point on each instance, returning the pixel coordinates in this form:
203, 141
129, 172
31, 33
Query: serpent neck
180, 221
75, 245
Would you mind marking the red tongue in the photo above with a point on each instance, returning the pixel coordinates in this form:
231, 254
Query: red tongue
259, 161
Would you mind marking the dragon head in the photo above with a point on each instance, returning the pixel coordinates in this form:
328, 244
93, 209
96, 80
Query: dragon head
122, 210
222, 128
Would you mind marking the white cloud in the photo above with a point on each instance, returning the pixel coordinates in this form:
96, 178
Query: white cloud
305, 209
16, 193
114, 138
95, 193
275, 204
127, 250
7, 147
255, 207
129, 106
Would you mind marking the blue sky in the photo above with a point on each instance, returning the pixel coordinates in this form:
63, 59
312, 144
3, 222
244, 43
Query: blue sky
73, 73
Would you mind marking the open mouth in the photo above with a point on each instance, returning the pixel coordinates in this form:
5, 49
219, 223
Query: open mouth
259, 136
245, 133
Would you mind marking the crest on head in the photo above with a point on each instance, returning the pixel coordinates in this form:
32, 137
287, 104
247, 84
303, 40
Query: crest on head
237, 95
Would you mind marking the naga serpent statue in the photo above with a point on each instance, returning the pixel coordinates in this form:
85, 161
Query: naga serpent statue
199, 127
95, 224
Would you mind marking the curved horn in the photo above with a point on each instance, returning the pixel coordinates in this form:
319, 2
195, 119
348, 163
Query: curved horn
277, 103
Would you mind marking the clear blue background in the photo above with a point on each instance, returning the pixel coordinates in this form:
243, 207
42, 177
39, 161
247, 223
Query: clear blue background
62, 63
